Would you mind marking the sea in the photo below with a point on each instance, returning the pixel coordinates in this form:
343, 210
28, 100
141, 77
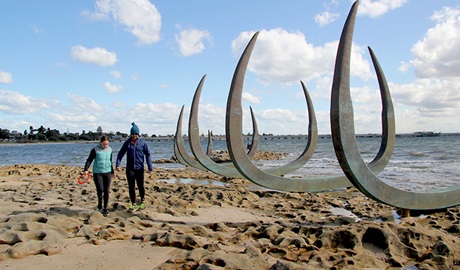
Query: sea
417, 163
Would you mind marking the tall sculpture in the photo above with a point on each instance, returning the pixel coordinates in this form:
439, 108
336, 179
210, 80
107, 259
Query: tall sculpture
356, 172
201, 157
233, 127
185, 159
343, 136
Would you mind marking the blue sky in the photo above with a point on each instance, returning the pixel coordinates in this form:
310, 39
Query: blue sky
76, 65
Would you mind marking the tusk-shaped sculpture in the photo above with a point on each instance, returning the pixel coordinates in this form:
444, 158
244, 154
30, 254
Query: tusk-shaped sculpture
185, 159
179, 146
195, 144
343, 135
228, 171
179, 156
233, 125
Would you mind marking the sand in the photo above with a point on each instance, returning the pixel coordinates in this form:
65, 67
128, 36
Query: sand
49, 221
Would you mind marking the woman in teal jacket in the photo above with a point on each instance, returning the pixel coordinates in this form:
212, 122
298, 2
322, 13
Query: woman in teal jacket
102, 172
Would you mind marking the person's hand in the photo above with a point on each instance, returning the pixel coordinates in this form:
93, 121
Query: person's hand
85, 172
118, 168
149, 172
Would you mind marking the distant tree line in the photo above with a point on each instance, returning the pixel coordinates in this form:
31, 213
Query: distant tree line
47, 134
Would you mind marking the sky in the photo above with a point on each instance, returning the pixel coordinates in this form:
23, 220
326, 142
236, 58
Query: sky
75, 66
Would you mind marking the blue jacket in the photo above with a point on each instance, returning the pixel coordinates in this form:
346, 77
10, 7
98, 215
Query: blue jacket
102, 160
136, 153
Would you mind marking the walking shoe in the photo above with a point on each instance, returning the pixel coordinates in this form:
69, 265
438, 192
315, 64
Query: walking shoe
132, 208
105, 212
141, 206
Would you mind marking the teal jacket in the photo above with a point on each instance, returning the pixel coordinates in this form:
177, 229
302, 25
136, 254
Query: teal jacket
102, 160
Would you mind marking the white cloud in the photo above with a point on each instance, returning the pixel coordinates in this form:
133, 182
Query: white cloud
250, 98
165, 116
435, 94
16, 103
210, 117
191, 41
97, 56
84, 104
274, 120
83, 114
6, 77
36, 29
376, 8
404, 66
138, 17
115, 74
280, 56
118, 104
437, 55
325, 18
112, 88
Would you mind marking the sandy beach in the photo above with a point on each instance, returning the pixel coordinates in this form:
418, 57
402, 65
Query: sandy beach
49, 221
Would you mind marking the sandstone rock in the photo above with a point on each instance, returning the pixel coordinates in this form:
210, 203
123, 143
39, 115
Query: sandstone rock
235, 261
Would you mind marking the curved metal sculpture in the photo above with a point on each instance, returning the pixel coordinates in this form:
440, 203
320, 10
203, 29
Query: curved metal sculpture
233, 126
179, 156
185, 159
343, 135
201, 157
179, 147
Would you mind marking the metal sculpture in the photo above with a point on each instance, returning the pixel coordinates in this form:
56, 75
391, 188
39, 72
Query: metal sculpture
343, 135
357, 172
179, 156
179, 147
209, 148
185, 159
201, 157
233, 127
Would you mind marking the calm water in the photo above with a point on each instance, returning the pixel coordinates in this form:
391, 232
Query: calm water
418, 163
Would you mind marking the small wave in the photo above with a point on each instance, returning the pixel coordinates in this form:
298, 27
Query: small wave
417, 154
444, 157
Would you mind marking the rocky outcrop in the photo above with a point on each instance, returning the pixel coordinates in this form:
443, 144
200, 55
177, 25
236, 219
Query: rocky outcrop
288, 231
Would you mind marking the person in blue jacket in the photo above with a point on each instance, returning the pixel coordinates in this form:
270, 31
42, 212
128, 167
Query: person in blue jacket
137, 149
102, 172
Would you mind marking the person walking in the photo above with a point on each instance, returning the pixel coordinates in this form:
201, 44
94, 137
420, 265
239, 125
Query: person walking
102, 172
137, 150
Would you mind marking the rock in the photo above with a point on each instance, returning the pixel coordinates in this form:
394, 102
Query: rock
10, 238
235, 261
112, 234
86, 231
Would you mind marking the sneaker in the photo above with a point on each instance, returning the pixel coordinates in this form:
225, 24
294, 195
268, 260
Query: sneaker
141, 206
132, 208
105, 212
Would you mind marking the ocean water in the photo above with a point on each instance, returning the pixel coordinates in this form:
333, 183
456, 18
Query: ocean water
418, 163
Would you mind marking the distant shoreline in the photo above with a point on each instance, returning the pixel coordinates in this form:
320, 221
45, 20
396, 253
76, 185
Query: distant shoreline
246, 137
41, 143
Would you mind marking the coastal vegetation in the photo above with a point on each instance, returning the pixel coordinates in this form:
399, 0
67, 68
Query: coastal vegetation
42, 134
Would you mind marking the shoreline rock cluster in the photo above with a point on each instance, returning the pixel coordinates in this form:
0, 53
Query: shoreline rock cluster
228, 226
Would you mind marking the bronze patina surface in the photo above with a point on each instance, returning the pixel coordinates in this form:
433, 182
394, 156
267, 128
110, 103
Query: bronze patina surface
179, 146
233, 127
346, 149
228, 171
185, 159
